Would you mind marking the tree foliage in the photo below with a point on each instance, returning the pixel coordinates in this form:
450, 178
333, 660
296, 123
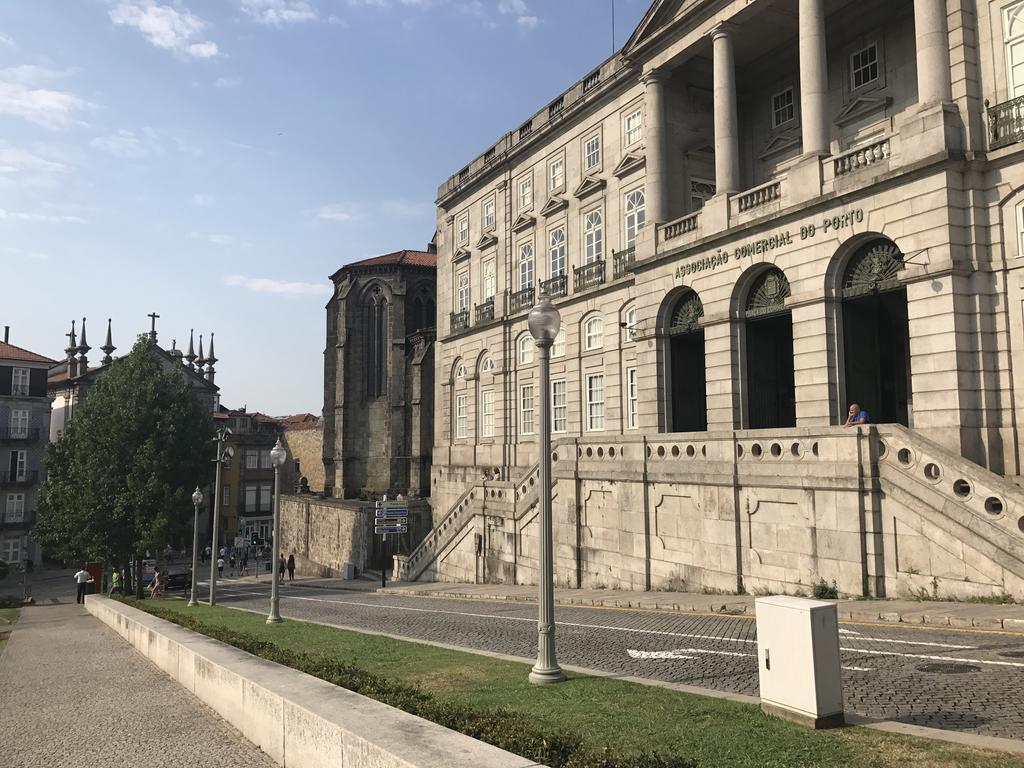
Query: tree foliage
120, 479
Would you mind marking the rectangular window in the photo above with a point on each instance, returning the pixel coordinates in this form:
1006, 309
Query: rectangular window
525, 266
632, 403
592, 152
556, 252
462, 229
525, 193
488, 213
526, 426
593, 237
462, 295
487, 413
19, 382
19, 464
461, 412
595, 402
636, 215
783, 108
15, 511
265, 459
225, 495
559, 408
526, 349
19, 423
250, 498
490, 280
864, 66
252, 459
10, 552
633, 127
556, 174
558, 348
266, 498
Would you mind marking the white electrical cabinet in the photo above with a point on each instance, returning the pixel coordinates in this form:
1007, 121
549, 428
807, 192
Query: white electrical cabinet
798, 660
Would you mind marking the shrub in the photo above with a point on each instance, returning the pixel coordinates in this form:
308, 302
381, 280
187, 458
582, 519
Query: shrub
825, 591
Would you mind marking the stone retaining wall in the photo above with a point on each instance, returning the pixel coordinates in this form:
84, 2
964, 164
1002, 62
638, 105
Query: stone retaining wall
297, 719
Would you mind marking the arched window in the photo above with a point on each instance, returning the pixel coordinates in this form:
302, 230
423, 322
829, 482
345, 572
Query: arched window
593, 334
558, 347
768, 293
487, 365
460, 371
636, 216
377, 344
526, 344
630, 323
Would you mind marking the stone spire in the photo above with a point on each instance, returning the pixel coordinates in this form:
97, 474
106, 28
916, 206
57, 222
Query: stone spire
83, 351
108, 347
200, 360
71, 350
210, 360
191, 355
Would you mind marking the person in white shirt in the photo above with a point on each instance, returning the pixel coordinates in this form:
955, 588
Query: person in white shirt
82, 579
220, 566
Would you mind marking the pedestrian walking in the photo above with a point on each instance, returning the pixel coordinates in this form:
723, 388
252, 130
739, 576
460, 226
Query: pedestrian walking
281, 565
82, 579
116, 585
156, 586
220, 566
231, 562
291, 567
207, 553
245, 563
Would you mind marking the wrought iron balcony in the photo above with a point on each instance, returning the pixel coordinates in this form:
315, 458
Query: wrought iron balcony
25, 478
460, 320
1006, 123
556, 286
19, 435
622, 261
485, 311
588, 276
521, 300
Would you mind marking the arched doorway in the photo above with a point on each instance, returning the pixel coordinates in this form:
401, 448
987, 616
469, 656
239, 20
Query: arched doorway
876, 338
686, 352
771, 395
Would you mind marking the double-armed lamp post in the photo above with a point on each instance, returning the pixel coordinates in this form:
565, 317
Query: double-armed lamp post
544, 322
224, 454
278, 456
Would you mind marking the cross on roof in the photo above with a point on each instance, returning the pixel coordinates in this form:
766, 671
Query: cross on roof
152, 327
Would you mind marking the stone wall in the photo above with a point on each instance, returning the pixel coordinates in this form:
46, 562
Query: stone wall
305, 445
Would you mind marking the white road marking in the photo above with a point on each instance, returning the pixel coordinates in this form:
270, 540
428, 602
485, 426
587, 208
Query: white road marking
936, 658
657, 654
848, 632
858, 669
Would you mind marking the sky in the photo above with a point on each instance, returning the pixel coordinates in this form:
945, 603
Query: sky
213, 161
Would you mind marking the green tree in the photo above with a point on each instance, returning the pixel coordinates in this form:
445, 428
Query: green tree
119, 480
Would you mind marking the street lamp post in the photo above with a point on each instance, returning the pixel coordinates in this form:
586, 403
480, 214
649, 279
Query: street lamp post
278, 456
197, 502
224, 453
544, 322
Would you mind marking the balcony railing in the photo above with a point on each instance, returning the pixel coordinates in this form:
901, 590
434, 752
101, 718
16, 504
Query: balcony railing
622, 261
18, 434
861, 157
521, 300
588, 275
485, 311
460, 320
758, 196
556, 286
25, 478
687, 223
1006, 123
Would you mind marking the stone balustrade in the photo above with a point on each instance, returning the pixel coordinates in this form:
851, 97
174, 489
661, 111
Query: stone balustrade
861, 157
681, 226
758, 196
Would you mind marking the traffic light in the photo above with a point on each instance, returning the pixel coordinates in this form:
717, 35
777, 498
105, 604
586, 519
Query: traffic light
254, 540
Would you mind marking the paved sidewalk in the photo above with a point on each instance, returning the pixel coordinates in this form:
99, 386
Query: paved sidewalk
76, 695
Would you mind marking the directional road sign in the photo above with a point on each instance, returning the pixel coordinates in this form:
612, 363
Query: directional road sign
390, 520
393, 514
390, 529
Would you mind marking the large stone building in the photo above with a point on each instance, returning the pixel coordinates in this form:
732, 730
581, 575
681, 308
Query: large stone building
247, 479
755, 213
24, 432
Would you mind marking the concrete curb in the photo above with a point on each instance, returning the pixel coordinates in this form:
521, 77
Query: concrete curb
299, 720
859, 613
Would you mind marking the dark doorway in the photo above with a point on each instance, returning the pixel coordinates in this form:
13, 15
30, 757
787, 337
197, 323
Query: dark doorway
771, 396
689, 384
876, 344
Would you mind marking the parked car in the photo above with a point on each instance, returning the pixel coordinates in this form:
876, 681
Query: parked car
178, 580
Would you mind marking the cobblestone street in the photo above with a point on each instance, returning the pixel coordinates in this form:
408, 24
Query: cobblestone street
964, 680
75, 695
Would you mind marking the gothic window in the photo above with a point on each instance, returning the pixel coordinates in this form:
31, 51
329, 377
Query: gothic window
768, 294
377, 344
874, 268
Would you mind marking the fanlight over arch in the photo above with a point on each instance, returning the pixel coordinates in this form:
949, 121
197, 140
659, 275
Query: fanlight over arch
874, 268
768, 293
686, 315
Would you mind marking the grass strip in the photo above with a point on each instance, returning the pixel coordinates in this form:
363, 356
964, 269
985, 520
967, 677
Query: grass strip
8, 616
586, 722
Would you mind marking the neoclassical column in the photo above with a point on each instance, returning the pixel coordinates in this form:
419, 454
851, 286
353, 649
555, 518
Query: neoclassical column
727, 147
655, 191
932, 31
813, 77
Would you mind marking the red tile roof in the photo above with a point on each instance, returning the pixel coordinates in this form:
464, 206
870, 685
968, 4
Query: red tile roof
11, 352
412, 258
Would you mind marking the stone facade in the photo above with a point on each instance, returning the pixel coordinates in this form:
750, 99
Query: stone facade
24, 432
749, 217
303, 438
378, 377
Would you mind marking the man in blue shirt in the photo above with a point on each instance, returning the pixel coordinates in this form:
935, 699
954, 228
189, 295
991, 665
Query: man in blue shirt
857, 416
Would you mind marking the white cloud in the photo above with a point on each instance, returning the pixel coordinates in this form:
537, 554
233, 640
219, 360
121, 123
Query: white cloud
165, 27
33, 255
277, 13
222, 241
201, 201
7, 41
48, 218
280, 287
514, 7
227, 83
127, 145
21, 161
339, 212
22, 96
527, 22
406, 209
